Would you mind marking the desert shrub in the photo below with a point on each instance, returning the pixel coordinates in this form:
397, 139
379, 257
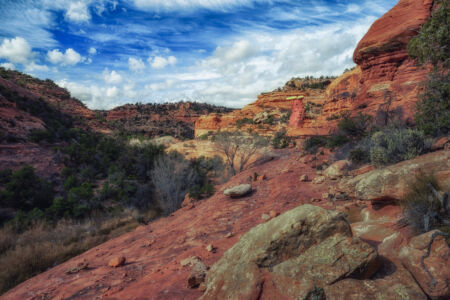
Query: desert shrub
203, 137
392, 145
239, 148
280, 140
359, 155
270, 120
423, 206
285, 117
313, 143
432, 43
431, 46
355, 127
433, 107
25, 190
243, 121
172, 178
337, 140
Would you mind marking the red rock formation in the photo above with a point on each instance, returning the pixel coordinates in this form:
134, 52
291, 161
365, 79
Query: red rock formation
385, 74
298, 113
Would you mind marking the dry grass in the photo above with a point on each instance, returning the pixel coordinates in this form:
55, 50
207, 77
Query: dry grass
43, 246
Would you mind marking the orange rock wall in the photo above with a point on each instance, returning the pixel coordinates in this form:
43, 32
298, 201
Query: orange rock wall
384, 73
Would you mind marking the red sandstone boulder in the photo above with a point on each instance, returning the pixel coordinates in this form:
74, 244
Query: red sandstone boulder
117, 261
288, 256
437, 286
392, 182
337, 169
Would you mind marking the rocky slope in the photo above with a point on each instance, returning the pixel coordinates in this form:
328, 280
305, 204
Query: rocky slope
28, 105
168, 258
385, 79
175, 119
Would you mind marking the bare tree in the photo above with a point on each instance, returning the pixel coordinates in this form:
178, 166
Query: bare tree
172, 177
239, 148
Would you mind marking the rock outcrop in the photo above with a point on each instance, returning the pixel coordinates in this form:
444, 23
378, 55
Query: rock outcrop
392, 182
436, 283
385, 79
289, 256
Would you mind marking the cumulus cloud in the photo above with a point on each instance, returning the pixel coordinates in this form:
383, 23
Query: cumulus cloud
8, 66
92, 51
160, 62
70, 57
111, 77
78, 12
135, 65
171, 5
33, 67
93, 95
16, 50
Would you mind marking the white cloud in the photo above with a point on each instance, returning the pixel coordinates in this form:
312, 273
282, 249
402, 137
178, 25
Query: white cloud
16, 50
94, 96
78, 12
112, 92
171, 5
70, 57
160, 62
32, 67
135, 65
8, 66
111, 77
92, 51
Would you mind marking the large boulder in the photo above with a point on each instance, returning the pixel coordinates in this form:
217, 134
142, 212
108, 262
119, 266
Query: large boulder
337, 169
238, 190
392, 182
290, 256
437, 286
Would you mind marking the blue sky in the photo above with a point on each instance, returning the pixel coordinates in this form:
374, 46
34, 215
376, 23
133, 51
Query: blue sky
225, 52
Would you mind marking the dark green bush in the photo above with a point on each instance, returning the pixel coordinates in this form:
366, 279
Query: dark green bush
280, 140
421, 206
359, 155
396, 144
433, 107
355, 127
312, 144
243, 121
337, 140
26, 191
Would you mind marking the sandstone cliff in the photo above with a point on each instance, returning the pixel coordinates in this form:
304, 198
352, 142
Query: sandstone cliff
385, 78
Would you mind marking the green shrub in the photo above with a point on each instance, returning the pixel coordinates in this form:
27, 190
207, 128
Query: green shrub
432, 44
243, 121
354, 127
313, 143
359, 155
396, 144
337, 141
25, 191
433, 107
280, 140
421, 206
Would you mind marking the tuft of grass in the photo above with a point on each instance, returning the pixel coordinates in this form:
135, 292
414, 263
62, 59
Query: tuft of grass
422, 208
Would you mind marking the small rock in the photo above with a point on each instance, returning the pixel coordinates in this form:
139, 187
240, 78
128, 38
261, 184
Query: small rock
265, 217
442, 143
80, 266
210, 248
228, 235
337, 169
325, 196
238, 191
304, 178
188, 201
318, 179
263, 177
273, 214
117, 261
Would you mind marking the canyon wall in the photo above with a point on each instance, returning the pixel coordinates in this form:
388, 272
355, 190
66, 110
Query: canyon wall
385, 78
